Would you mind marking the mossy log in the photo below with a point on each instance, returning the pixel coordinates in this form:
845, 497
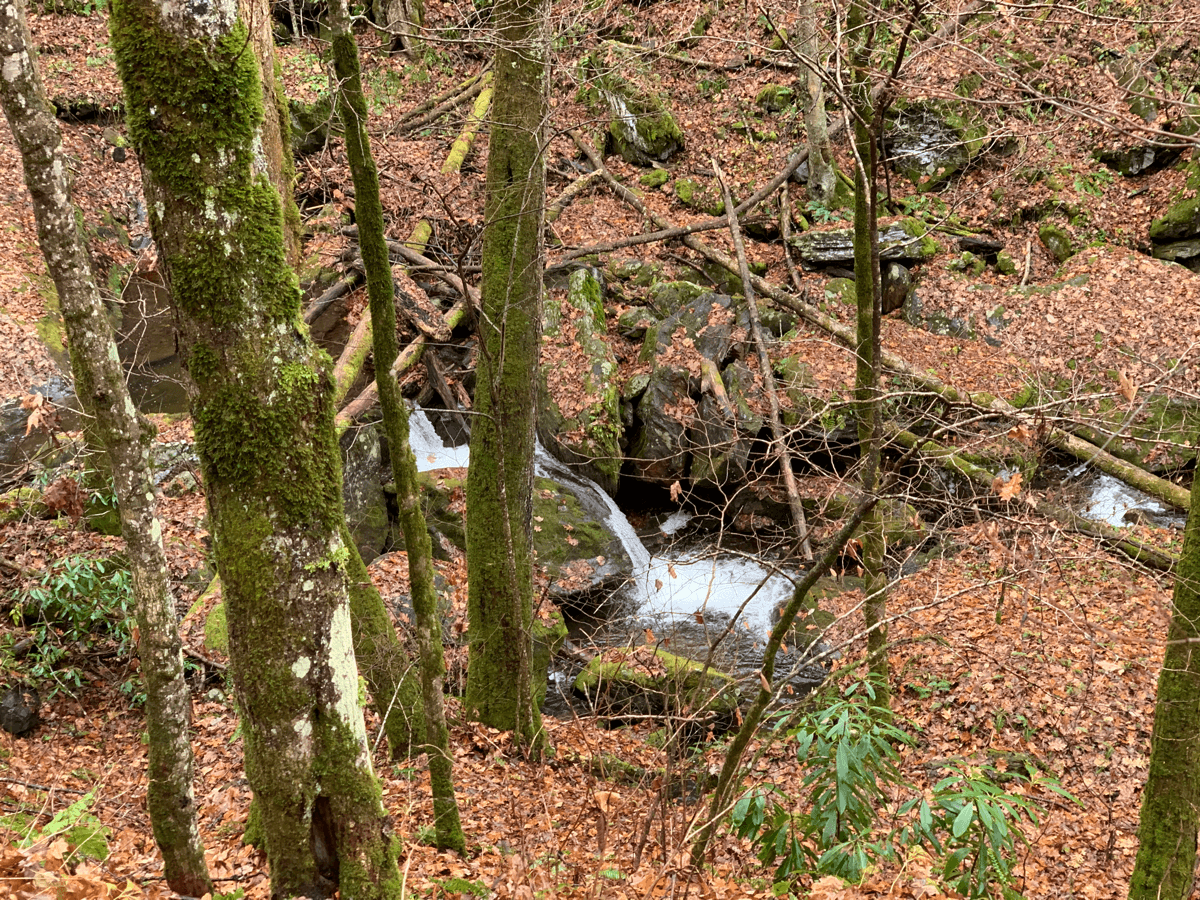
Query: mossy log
955, 462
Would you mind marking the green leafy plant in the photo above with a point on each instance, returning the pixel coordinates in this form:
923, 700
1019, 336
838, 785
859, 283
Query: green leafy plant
76, 603
848, 748
82, 831
821, 213
980, 821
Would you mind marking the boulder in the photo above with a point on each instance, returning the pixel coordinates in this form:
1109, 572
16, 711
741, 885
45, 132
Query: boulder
579, 415
641, 127
931, 143
702, 335
906, 240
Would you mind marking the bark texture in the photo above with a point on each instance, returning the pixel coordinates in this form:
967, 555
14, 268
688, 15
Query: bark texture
352, 106
822, 174
500, 483
867, 349
126, 438
1165, 868
264, 431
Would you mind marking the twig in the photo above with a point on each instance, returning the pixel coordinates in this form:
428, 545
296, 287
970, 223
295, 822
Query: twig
430, 110
1028, 261
342, 286
785, 234
573, 190
768, 376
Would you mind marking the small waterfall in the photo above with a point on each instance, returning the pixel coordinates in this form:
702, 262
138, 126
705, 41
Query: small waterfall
660, 588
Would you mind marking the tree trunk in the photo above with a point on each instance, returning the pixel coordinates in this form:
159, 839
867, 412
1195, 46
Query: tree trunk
264, 432
866, 380
1165, 868
822, 174
126, 437
352, 106
500, 483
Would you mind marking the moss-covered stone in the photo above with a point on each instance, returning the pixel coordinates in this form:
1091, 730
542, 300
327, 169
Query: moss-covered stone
655, 178
657, 683
1055, 239
694, 195
1005, 264
775, 98
641, 127
216, 631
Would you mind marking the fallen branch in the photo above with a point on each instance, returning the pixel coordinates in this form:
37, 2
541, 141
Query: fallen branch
1164, 490
573, 190
671, 233
434, 108
949, 459
344, 285
767, 374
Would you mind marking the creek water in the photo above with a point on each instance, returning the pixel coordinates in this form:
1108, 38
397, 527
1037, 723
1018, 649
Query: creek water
685, 596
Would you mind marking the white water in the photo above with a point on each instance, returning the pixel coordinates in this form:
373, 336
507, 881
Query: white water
671, 588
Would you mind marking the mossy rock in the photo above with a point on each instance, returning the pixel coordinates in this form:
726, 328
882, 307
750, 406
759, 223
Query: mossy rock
1005, 264
653, 682
841, 291
641, 127
216, 630
582, 558
655, 178
694, 195
1180, 222
967, 264
775, 98
635, 321
668, 297
311, 124
1056, 240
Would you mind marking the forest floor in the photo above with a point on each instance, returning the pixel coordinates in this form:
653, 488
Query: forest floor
1028, 644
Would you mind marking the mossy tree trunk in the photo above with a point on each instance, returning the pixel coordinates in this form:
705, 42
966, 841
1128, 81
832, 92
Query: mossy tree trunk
500, 482
126, 437
1165, 868
264, 432
352, 107
866, 380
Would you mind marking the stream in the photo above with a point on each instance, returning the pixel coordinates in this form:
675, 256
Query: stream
686, 596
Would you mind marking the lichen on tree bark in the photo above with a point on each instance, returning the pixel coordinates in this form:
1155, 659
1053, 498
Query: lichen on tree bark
500, 482
125, 438
263, 418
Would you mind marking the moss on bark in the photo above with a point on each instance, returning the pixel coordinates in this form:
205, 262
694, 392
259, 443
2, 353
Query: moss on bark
1167, 831
500, 481
264, 429
352, 106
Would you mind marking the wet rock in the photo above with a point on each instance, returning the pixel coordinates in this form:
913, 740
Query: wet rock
581, 556
701, 333
579, 416
19, 710
363, 478
906, 240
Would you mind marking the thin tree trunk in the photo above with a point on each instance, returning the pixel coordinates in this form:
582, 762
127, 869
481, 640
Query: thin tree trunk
1165, 868
867, 351
352, 106
263, 416
768, 377
822, 174
500, 482
126, 437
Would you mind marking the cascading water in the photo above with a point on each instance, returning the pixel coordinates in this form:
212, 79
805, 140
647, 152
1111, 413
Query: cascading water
713, 585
